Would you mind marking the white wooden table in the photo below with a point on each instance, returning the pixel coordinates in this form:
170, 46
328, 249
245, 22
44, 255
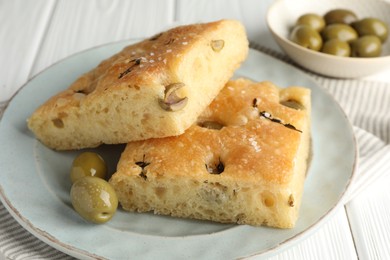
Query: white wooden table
36, 34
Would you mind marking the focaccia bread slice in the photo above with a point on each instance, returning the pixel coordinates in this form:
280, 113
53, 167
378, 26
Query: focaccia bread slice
244, 161
155, 88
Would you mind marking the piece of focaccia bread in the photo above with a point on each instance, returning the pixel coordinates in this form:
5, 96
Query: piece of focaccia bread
155, 88
244, 161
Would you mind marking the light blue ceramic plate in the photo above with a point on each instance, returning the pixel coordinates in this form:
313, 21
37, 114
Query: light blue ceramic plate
35, 185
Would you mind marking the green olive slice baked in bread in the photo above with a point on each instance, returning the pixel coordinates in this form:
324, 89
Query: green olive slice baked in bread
151, 89
244, 161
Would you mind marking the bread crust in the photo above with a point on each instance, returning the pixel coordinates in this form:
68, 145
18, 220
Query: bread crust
250, 171
120, 100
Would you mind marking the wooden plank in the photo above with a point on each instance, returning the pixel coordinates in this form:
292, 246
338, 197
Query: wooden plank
78, 25
23, 27
332, 240
370, 220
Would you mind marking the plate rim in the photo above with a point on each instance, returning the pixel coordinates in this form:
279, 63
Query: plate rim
80, 253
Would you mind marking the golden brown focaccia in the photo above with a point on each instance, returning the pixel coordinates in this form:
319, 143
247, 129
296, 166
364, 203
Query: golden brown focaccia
244, 161
155, 88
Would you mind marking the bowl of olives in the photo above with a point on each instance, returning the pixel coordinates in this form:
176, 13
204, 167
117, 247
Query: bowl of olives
343, 39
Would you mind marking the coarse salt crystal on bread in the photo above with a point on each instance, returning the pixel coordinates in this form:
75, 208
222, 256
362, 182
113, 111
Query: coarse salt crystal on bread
244, 161
155, 88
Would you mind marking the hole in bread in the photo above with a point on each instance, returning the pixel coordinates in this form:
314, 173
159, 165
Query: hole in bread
82, 91
215, 168
240, 217
292, 104
211, 125
78, 96
87, 89
291, 200
136, 87
160, 191
57, 122
268, 199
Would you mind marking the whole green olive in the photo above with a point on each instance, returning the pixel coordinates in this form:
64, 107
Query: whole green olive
88, 164
315, 21
342, 32
306, 37
94, 199
366, 46
372, 26
337, 48
344, 16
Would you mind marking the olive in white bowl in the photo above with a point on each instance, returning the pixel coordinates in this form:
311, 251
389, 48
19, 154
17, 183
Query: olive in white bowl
282, 16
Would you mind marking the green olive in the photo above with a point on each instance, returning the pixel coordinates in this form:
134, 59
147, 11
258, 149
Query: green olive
94, 199
306, 37
88, 164
342, 32
337, 48
372, 26
340, 16
366, 46
315, 21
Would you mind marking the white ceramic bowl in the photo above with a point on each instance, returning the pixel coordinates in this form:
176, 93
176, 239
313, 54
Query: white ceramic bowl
283, 14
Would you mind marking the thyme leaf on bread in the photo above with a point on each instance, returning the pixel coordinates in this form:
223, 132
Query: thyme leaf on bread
129, 69
142, 164
268, 116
